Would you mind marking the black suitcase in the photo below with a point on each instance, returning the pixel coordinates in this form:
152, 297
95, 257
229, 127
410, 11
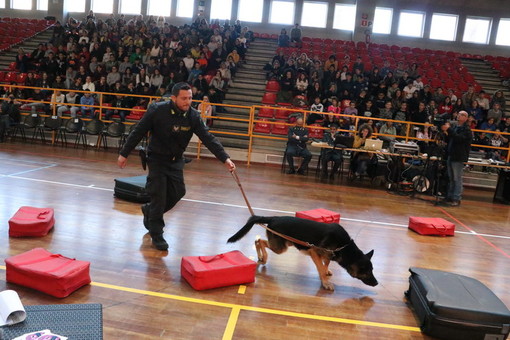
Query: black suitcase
456, 307
131, 189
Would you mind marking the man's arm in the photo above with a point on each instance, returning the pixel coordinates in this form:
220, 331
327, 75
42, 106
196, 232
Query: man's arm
141, 129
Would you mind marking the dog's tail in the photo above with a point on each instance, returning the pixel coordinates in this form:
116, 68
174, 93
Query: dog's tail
247, 227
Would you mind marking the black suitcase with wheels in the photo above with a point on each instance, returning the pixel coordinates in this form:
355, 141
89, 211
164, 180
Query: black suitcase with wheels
131, 189
456, 307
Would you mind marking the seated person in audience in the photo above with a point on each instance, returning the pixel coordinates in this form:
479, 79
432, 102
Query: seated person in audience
469, 96
113, 77
499, 97
446, 106
9, 114
476, 111
351, 109
369, 110
489, 125
361, 160
57, 103
301, 85
206, 110
504, 125
422, 133
388, 128
316, 107
328, 155
72, 98
38, 96
483, 102
387, 111
296, 147
117, 105
497, 140
87, 99
495, 113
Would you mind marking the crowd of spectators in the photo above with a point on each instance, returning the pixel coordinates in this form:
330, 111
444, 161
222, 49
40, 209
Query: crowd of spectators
346, 87
131, 56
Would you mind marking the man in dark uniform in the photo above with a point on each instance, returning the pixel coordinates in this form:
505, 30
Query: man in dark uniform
296, 147
171, 123
458, 137
328, 154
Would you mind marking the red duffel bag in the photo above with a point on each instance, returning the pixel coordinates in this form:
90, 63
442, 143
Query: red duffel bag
52, 274
228, 269
31, 222
320, 215
431, 226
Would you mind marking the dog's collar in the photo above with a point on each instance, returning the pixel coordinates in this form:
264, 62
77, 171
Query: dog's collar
341, 248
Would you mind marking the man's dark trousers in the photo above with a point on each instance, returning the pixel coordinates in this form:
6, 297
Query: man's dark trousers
165, 186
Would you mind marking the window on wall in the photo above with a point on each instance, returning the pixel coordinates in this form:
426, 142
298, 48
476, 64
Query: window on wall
382, 20
130, 6
221, 9
444, 26
2, 3
102, 6
503, 38
21, 4
282, 12
75, 6
250, 10
42, 5
314, 14
159, 7
345, 17
185, 8
410, 24
477, 30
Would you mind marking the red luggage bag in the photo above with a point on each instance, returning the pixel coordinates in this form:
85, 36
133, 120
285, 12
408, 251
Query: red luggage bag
52, 274
320, 215
431, 226
30, 221
206, 272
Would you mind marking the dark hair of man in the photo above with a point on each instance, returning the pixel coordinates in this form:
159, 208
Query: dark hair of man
180, 86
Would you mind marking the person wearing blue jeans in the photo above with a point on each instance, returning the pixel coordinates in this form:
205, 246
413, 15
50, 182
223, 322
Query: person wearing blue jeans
458, 138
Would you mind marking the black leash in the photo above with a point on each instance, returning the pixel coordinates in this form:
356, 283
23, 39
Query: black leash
286, 237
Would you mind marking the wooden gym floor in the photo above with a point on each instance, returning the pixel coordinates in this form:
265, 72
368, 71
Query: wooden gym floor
144, 296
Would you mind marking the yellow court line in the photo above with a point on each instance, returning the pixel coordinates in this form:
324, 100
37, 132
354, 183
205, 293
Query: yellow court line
258, 309
231, 325
242, 289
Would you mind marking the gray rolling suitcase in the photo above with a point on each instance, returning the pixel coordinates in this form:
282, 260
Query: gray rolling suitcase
456, 307
131, 189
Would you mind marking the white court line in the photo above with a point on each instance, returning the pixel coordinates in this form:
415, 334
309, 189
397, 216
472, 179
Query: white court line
31, 170
91, 186
23, 160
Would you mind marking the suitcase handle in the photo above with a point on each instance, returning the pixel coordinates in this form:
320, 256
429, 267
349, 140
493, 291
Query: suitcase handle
208, 259
328, 219
41, 215
443, 230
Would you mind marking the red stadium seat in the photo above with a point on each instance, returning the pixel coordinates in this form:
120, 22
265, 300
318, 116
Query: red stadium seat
12, 66
280, 129
2, 76
269, 98
262, 127
272, 86
266, 112
314, 131
10, 77
20, 79
274, 36
264, 36
282, 113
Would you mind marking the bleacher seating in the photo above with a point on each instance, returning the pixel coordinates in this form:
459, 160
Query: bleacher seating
11, 34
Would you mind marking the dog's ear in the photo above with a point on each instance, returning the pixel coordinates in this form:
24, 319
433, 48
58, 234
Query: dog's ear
370, 254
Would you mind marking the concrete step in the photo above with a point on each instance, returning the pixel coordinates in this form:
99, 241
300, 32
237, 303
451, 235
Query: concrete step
250, 92
247, 86
258, 58
252, 77
246, 97
253, 66
241, 102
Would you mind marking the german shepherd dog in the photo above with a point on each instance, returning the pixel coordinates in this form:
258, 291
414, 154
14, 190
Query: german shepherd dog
331, 241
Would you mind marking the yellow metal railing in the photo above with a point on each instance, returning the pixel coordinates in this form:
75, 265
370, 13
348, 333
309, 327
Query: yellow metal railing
249, 123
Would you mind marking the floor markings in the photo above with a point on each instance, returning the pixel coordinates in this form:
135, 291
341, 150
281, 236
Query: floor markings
93, 187
231, 324
31, 170
476, 234
242, 289
258, 309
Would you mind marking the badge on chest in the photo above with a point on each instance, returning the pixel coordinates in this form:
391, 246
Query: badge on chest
179, 128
